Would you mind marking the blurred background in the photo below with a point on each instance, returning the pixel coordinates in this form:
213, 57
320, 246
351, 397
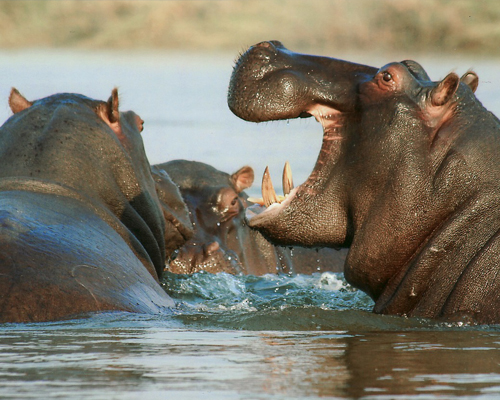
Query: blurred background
451, 26
172, 61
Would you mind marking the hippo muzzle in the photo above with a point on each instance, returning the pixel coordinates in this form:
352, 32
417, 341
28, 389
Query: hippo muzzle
270, 82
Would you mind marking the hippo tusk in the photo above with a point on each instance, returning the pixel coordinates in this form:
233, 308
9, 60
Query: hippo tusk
269, 195
287, 179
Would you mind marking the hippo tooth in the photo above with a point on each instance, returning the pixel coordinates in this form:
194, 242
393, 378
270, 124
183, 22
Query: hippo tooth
268, 193
287, 179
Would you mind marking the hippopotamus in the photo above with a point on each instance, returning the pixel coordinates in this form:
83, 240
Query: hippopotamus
222, 240
81, 226
407, 178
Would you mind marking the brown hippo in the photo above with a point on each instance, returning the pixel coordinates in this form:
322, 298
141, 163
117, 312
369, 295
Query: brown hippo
222, 240
408, 178
81, 226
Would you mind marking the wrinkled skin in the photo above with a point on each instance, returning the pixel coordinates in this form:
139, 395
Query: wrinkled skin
81, 226
222, 240
407, 178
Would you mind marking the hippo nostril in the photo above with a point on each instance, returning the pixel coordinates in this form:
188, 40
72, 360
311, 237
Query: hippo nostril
273, 45
264, 44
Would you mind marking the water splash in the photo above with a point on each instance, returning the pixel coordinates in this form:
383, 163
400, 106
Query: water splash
264, 302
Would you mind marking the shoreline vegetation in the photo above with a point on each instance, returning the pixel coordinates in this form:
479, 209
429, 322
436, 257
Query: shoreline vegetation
421, 26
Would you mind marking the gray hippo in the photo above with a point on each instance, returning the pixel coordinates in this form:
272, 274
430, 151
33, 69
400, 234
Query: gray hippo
222, 240
81, 225
407, 178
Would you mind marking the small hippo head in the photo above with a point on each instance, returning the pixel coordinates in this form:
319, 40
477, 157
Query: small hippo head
216, 202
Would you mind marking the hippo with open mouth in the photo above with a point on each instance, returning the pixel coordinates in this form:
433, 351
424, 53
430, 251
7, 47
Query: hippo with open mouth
407, 178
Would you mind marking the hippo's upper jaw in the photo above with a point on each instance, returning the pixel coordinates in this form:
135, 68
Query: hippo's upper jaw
270, 82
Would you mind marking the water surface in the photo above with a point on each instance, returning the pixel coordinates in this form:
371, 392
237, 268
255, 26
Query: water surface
276, 337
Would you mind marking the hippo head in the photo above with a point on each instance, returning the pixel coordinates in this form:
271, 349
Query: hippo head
96, 152
215, 203
401, 156
360, 108
221, 240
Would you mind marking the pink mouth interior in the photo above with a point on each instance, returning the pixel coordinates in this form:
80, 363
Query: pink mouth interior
330, 119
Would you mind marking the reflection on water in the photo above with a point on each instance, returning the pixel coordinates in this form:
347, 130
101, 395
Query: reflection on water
233, 337
108, 357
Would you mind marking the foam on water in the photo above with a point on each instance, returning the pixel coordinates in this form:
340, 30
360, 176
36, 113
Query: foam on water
321, 301
222, 292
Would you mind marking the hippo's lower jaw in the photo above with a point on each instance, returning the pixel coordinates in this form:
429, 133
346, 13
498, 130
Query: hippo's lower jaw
258, 214
275, 215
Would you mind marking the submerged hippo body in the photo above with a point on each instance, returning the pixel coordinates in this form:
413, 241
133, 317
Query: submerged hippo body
222, 241
408, 178
81, 227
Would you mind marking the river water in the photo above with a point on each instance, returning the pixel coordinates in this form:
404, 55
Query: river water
301, 337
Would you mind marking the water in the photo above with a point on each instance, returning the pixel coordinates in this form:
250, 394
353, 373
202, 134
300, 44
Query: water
278, 337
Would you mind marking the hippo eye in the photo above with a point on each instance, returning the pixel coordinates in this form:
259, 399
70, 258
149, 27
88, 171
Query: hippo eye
386, 76
174, 255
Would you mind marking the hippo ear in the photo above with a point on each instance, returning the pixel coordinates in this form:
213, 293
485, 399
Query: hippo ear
243, 178
444, 91
113, 113
110, 114
18, 102
471, 79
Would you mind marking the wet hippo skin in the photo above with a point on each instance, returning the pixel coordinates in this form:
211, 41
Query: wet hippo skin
407, 178
81, 226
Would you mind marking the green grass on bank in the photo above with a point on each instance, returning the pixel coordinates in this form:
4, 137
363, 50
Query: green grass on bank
451, 26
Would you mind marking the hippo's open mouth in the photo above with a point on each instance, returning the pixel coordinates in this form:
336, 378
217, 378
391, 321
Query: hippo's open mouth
271, 204
270, 82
